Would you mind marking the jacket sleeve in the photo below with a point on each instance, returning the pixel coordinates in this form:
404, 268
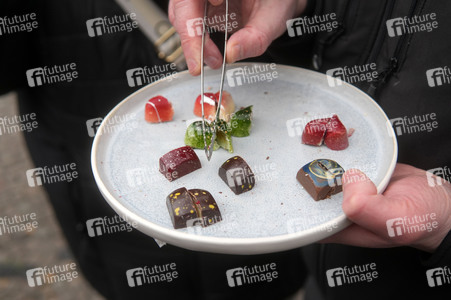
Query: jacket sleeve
441, 257
17, 50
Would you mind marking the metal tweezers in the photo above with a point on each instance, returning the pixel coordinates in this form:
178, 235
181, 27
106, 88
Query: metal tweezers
209, 147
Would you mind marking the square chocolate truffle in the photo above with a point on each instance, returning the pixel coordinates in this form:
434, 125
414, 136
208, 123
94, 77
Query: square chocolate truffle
237, 174
206, 207
321, 178
181, 207
179, 162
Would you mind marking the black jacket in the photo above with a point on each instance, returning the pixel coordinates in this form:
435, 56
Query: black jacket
62, 110
361, 38
401, 89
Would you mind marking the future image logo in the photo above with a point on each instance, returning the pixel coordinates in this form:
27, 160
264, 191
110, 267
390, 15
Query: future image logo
405, 25
240, 177
50, 75
396, 27
151, 274
18, 223
18, 123
109, 225
354, 274
146, 75
48, 275
235, 277
35, 277
352, 75
438, 76
35, 77
18, 23
250, 75
235, 77
409, 225
251, 274
35, 177
311, 25
114, 124
335, 277
46, 175
195, 27
213, 24
93, 125
438, 176
438, 276
110, 25
412, 124
335, 77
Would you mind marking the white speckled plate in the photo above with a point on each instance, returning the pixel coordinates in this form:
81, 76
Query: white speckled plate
278, 214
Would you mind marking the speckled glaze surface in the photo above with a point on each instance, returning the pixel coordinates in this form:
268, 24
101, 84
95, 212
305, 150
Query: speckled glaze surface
277, 214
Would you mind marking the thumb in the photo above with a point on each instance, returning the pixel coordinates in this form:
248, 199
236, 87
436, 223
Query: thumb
186, 16
261, 29
363, 206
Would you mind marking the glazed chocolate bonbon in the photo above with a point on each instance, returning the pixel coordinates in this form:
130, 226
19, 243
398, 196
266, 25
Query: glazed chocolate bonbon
321, 178
181, 207
192, 207
237, 174
179, 162
206, 207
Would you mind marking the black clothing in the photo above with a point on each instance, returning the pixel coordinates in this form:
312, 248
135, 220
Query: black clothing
401, 90
62, 110
361, 38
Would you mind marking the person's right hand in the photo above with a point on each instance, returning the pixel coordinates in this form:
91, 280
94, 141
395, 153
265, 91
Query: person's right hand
263, 21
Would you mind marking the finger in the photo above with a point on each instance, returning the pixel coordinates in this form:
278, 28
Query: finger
403, 170
261, 29
192, 52
357, 236
187, 20
171, 12
363, 206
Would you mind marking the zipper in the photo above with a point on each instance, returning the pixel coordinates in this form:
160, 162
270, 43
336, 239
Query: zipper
393, 64
318, 52
388, 10
317, 59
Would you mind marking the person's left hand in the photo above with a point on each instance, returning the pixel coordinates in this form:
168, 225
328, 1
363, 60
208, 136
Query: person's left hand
408, 194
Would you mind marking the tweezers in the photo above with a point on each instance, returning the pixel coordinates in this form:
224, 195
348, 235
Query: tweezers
209, 147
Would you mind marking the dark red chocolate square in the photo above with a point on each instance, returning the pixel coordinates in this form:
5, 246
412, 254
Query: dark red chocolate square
179, 162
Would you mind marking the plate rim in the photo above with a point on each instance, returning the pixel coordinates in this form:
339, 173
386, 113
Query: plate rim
223, 244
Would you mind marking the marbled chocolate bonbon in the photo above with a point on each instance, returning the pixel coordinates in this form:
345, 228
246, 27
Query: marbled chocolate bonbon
237, 174
179, 162
321, 178
192, 207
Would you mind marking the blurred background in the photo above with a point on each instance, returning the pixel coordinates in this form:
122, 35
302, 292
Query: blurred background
43, 246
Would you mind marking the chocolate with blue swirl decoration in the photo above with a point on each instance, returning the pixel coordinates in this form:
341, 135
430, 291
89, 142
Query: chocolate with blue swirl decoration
321, 178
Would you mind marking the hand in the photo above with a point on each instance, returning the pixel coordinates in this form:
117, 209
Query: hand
264, 21
407, 195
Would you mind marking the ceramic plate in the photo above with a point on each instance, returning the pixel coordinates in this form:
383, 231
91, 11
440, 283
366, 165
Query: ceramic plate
278, 214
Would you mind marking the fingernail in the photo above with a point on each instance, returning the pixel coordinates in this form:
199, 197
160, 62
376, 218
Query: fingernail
192, 64
216, 2
211, 61
236, 54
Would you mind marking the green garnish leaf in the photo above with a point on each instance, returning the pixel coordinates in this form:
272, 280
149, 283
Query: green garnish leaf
241, 122
194, 137
224, 135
